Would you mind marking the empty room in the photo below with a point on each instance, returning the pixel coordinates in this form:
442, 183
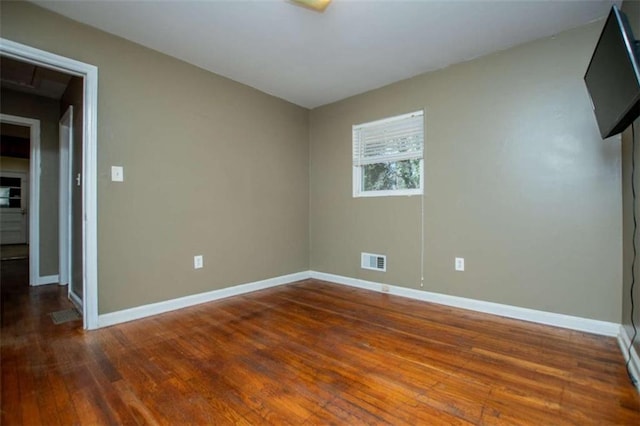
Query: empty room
320, 212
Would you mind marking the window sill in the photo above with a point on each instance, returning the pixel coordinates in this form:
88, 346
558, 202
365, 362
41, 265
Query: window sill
396, 193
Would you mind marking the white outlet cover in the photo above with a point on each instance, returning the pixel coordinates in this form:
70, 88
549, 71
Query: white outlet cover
459, 265
117, 174
198, 262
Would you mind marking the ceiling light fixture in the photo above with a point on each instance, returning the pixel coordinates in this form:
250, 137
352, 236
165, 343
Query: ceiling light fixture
317, 5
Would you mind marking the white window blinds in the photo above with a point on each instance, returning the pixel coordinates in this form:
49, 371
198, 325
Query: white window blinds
392, 139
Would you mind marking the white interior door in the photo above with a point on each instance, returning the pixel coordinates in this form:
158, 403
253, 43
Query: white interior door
66, 137
13, 207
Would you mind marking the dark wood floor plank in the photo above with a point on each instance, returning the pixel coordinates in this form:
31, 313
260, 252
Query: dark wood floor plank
10, 393
139, 411
29, 399
61, 397
309, 353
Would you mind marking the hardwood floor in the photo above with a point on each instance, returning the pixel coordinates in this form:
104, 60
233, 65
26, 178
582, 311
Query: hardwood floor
307, 353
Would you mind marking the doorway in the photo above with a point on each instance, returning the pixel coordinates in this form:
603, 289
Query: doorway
87, 243
27, 131
14, 189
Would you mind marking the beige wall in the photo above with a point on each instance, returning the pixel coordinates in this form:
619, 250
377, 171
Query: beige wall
48, 112
211, 167
518, 182
632, 10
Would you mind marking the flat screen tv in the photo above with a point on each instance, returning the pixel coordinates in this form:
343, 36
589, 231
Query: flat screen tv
613, 76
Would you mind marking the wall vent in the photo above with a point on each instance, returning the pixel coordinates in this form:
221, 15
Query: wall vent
376, 262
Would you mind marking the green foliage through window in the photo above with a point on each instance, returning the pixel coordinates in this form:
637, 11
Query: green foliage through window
391, 175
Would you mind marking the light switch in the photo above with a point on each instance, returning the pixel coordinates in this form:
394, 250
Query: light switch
117, 174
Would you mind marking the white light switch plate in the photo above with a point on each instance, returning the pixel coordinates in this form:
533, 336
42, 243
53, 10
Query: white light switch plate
459, 264
117, 174
198, 262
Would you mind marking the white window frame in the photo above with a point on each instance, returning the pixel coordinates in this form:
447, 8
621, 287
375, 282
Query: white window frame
357, 168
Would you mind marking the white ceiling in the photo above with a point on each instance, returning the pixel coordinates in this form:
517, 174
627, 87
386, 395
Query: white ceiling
312, 58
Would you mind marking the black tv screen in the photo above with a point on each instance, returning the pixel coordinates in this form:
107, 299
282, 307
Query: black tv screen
613, 76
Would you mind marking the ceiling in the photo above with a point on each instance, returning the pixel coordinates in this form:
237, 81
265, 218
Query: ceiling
312, 58
32, 79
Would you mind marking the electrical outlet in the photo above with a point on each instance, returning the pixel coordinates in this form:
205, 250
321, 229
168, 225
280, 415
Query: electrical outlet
459, 264
197, 262
385, 288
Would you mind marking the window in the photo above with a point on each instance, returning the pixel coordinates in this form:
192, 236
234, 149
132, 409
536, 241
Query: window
388, 156
10, 192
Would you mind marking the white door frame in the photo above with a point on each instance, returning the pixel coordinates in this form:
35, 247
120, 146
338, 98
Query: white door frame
89, 73
34, 192
65, 132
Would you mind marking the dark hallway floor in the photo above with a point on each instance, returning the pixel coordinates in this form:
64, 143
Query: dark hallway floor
28, 308
25, 349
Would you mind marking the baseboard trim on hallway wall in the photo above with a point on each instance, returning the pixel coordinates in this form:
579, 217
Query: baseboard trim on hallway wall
77, 302
48, 279
542, 317
138, 312
624, 340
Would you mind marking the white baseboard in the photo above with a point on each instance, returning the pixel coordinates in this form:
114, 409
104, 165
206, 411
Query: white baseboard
77, 302
49, 279
138, 312
624, 340
549, 318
